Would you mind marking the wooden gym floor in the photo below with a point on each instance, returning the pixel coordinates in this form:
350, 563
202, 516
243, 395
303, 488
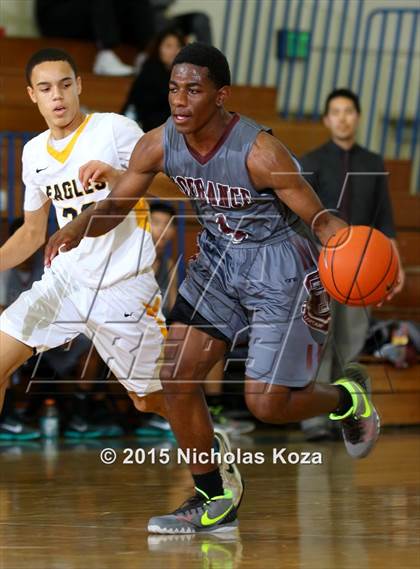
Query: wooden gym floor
61, 508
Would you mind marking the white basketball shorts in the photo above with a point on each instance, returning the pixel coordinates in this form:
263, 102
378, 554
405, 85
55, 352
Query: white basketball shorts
124, 322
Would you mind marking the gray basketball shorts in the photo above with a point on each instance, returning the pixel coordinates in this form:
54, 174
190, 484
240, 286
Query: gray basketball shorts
269, 296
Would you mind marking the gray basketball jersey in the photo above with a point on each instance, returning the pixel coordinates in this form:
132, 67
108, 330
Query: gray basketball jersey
227, 204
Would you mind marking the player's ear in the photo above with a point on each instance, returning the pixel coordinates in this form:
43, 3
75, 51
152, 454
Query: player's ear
222, 94
31, 93
326, 121
79, 84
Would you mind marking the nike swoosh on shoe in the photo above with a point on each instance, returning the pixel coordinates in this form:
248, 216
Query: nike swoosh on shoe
207, 521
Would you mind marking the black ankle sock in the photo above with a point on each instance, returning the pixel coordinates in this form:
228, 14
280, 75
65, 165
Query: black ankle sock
345, 402
211, 483
214, 400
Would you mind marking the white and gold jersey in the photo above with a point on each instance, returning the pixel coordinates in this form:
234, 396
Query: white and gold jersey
51, 172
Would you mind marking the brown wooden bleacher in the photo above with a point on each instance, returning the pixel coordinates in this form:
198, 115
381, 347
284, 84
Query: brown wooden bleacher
396, 392
109, 93
105, 94
15, 52
399, 405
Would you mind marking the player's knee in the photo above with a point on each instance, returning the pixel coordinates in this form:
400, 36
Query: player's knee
6, 370
139, 402
13, 354
259, 407
151, 403
268, 408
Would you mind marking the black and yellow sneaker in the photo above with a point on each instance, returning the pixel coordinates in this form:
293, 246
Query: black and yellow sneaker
198, 514
360, 425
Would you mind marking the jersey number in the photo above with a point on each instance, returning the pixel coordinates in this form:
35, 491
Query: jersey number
72, 212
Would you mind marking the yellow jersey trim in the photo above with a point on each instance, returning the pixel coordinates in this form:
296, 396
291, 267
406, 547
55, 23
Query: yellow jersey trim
142, 211
154, 312
62, 155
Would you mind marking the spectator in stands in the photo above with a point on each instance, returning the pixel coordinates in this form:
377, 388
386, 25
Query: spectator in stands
148, 97
107, 22
352, 181
195, 24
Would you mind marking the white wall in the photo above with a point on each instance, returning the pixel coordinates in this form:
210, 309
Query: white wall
287, 75
17, 17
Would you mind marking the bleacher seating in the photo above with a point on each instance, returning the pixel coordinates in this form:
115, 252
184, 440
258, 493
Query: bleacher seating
109, 93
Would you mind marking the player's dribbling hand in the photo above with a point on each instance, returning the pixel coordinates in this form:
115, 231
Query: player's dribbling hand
95, 171
397, 288
400, 282
63, 240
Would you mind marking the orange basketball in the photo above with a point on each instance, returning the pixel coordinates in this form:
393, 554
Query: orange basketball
358, 266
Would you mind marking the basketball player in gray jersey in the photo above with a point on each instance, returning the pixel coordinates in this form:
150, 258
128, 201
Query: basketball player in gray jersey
255, 277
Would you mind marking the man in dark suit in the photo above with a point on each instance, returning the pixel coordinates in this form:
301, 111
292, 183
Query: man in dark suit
351, 181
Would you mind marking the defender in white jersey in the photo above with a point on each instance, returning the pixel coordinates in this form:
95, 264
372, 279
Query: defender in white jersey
105, 288
51, 174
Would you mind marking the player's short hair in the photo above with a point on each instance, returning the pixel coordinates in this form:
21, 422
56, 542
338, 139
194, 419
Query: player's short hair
48, 54
342, 92
164, 207
208, 56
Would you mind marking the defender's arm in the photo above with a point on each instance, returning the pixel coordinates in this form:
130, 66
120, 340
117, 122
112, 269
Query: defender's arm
146, 161
27, 239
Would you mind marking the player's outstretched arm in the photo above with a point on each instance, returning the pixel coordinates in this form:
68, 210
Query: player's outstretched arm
271, 166
27, 239
146, 161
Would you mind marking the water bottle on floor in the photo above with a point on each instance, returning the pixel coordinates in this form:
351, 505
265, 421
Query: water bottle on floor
50, 420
